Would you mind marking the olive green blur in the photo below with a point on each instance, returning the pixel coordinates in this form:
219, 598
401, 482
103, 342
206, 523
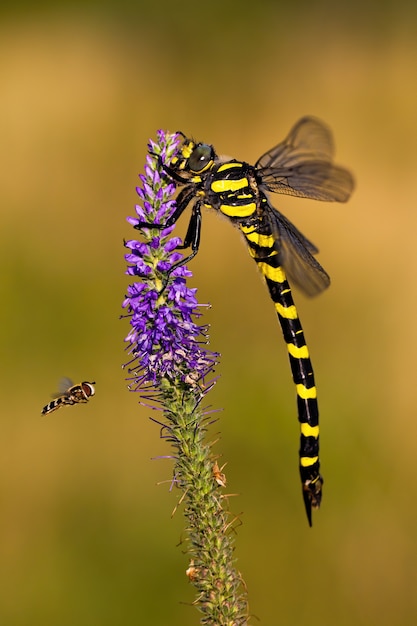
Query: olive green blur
86, 534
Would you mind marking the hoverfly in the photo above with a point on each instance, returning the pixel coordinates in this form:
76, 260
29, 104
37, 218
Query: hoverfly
70, 394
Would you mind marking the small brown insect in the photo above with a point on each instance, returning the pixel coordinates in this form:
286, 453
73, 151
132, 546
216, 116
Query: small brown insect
192, 571
219, 477
70, 394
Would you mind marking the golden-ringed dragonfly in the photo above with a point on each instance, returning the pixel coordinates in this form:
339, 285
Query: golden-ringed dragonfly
301, 165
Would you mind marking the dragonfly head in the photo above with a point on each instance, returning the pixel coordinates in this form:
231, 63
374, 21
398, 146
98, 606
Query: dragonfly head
195, 158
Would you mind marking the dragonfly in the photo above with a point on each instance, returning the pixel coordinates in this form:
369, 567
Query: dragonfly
301, 165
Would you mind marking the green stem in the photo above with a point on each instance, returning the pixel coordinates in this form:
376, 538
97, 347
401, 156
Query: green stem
221, 593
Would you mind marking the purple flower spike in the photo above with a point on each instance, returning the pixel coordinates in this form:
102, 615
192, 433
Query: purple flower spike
164, 339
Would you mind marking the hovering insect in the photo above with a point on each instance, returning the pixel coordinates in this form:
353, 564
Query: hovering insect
301, 165
70, 394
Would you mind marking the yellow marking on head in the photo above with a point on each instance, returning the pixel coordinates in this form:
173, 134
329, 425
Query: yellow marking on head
228, 166
224, 186
238, 211
298, 353
187, 149
306, 461
306, 394
309, 431
289, 312
276, 274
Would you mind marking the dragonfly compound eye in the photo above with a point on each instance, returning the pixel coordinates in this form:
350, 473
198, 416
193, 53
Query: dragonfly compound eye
201, 158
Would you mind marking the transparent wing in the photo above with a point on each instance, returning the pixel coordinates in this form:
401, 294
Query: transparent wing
296, 255
309, 139
284, 228
64, 384
302, 165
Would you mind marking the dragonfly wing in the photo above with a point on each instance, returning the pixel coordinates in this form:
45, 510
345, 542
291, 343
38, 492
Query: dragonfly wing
302, 165
296, 256
316, 180
284, 227
309, 139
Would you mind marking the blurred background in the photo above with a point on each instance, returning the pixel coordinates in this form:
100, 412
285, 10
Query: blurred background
86, 535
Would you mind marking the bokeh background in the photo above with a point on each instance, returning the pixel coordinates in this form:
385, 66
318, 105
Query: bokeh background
86, 535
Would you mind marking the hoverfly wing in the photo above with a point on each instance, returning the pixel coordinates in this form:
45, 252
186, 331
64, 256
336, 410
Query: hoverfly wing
64, 385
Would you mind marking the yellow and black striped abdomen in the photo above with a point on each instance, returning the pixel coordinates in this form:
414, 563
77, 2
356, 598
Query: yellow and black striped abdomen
263, 248
233, 190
